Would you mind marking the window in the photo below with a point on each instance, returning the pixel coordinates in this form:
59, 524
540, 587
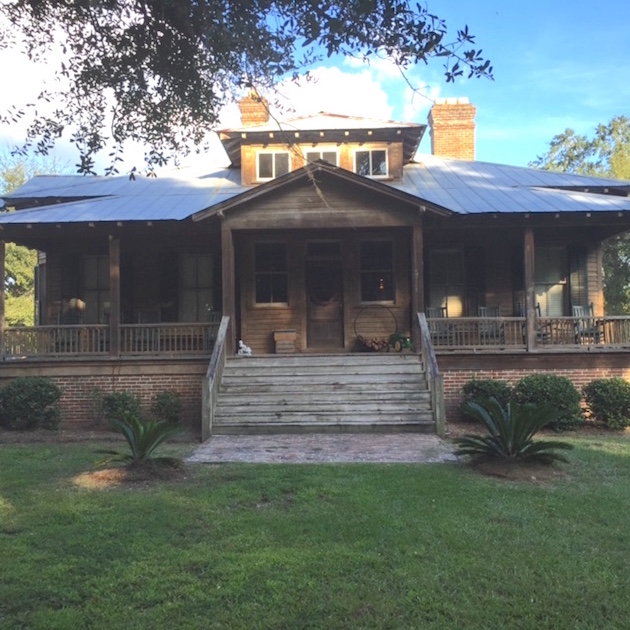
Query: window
550, 280
96, 289
371, 163
377, 271
327, 156
447, 281
272, 164
195, 287
271, 277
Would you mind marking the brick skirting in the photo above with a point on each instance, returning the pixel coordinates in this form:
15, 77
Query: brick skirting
83, 382
580, 368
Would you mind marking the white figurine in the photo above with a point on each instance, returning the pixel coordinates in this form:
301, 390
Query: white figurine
243, 350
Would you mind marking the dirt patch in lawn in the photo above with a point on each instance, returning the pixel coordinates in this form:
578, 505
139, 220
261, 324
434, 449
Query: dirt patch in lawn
526, 472
138, 475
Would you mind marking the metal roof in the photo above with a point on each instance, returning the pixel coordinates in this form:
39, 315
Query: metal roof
458, 186
470, 187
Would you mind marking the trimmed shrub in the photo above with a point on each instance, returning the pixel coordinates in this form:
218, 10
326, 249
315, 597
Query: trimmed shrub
121, 406
608, 400
167, 407
480, 391
556, 391
29, 402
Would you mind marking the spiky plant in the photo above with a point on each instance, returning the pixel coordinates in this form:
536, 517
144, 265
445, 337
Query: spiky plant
143, 437
510, 433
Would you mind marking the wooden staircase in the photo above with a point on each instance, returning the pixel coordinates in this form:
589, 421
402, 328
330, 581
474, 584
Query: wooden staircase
322, 393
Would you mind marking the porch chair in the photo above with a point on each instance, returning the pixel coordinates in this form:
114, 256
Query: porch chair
587, 329
147, 339
442, 331
491, 330
543, 331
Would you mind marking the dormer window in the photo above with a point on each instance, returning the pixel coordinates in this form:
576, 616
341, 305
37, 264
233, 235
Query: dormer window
271, 164
371, 163
332, 157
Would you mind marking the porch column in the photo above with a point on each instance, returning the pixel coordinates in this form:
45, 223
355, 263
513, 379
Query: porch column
2, 272
228, 279
417, 279
114, 296
530, 289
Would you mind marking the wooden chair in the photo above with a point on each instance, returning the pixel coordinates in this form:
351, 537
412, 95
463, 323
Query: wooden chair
441, 331
491, 330
543, 331
587, 329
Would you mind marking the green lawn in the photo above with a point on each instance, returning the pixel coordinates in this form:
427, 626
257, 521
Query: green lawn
335, 546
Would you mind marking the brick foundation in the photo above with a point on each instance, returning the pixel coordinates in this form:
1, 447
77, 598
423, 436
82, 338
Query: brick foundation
83, 382
584, 368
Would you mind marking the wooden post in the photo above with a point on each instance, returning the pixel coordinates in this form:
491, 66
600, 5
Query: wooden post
530, 289
114, 296
2, 322
228, 279
417, 280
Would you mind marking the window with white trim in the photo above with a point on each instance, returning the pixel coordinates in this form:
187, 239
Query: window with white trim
272, 164
330, 156
371, 162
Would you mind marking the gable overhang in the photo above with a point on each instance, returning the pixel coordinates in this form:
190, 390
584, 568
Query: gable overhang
312, 172
409, 135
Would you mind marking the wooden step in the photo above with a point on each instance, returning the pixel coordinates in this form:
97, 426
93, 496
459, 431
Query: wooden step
356, 392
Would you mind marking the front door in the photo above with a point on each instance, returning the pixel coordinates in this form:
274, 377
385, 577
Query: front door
324, 290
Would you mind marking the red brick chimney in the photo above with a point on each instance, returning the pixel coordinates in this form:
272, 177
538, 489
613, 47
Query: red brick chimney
452, 123
254, 110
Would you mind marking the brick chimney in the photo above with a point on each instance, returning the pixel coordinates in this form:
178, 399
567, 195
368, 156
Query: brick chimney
452, 124
254, 110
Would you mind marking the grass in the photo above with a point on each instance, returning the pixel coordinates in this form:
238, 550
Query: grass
292, 547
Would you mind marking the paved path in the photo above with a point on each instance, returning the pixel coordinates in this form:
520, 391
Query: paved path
324, 448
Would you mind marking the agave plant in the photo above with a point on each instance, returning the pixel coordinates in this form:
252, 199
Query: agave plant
143, 437
510, 433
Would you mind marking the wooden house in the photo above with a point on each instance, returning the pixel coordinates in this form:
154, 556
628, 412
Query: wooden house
326, 237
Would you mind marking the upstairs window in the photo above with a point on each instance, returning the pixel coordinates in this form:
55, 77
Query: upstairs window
271, 274
271, 164
327, 156
371, 163
377, 271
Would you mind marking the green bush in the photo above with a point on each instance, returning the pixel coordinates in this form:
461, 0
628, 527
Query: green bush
482, 390
167, 407
121, 406
143, 437
556, 391
608, 399
510, 433
29, 402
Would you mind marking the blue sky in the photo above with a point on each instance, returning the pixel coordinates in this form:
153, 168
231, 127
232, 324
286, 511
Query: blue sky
557, 64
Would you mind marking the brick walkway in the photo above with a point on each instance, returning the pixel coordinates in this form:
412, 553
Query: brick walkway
324, 448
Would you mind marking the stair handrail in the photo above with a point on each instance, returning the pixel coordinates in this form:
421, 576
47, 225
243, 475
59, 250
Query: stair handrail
434, 377
210, 384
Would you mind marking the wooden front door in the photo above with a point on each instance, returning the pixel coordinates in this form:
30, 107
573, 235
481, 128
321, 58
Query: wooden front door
324, 291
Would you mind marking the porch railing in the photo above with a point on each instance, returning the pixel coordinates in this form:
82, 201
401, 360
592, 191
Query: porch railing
476, 334
180, 339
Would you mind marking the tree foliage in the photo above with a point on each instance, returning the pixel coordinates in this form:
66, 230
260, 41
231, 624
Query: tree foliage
159, 71
20, 262
605, 154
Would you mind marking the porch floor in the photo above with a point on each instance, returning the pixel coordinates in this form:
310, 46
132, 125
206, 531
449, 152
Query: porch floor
412, 448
